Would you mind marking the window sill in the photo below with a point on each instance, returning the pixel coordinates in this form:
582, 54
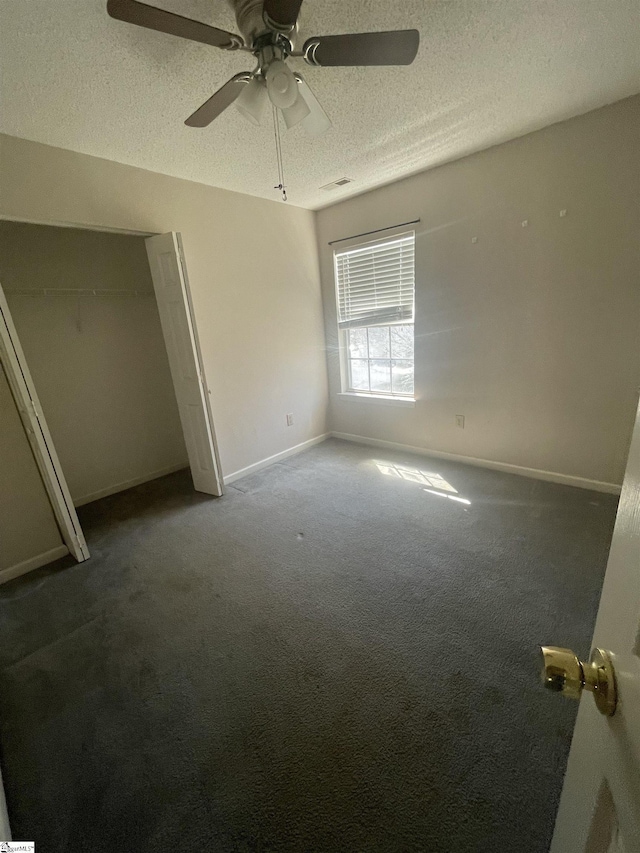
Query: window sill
403, 402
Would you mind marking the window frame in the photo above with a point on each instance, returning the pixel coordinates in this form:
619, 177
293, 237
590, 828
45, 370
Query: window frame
346, 388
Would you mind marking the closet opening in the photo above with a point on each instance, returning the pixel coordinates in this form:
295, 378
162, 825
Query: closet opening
104, 324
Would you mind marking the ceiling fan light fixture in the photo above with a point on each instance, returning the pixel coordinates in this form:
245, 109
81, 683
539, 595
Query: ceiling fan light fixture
298, 111
253, 100
281, 84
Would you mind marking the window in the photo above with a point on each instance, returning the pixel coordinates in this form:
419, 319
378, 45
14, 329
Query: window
375, 293
380, 359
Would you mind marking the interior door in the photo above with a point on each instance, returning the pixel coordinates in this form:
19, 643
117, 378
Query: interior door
600, 804
35, 424
169, 274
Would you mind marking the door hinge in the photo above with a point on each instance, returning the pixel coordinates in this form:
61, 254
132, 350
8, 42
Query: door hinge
183, 266
35, 409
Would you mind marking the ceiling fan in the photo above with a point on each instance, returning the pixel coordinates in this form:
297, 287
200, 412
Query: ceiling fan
268, 28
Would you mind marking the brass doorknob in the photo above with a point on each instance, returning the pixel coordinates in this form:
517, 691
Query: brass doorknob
565, 673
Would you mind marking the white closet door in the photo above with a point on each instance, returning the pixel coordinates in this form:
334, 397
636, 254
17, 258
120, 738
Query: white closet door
35, 424
171, 285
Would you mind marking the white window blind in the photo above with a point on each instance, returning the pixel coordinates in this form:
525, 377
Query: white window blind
376, 283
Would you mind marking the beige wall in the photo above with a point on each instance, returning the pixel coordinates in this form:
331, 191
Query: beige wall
531, 333
37, 256
27, 525
253, 271
98, 362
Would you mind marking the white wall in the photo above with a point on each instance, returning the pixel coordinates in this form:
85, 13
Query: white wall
531, 333
27, 525
253, 271
99, 363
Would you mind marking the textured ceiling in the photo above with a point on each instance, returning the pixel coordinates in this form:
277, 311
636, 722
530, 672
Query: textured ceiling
487, 71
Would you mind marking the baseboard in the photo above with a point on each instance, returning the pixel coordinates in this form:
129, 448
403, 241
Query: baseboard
129, 484
32, 563
535, 473
270, 460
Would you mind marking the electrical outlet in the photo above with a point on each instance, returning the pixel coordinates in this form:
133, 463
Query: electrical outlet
460, 421
290, 419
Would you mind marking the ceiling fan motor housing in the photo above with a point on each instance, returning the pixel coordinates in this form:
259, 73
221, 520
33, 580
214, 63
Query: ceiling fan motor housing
249, 18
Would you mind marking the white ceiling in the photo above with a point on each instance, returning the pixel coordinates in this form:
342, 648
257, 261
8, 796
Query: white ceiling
487, 71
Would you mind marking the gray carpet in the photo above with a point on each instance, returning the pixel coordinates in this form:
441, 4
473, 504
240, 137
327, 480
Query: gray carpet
328, 658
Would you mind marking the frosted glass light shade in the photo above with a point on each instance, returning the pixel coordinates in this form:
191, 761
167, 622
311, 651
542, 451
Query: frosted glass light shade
281, 85
252, 100
294, 114
317, 121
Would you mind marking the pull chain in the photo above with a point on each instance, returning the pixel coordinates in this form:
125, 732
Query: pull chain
276, 127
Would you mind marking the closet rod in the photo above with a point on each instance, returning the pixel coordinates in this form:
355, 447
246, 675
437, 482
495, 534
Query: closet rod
75, 291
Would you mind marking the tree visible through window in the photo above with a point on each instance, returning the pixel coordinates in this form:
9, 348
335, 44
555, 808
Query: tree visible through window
380, 359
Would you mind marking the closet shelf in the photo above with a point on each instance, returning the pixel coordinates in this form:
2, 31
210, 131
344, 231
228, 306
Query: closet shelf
72, 291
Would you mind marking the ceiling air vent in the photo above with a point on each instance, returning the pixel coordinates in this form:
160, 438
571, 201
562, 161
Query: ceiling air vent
334, 185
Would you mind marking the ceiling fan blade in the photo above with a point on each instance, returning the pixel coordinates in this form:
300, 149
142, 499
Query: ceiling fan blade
398, 47
281, 14
218, 102
317, 121
134, 12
